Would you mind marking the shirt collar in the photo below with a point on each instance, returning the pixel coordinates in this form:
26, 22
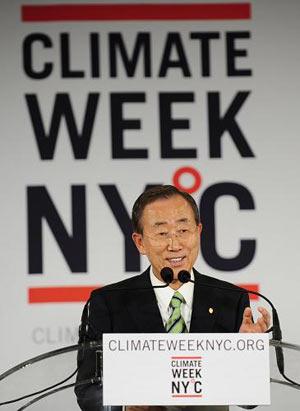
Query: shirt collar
164, 295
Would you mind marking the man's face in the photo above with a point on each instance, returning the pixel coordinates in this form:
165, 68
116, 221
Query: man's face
171, 237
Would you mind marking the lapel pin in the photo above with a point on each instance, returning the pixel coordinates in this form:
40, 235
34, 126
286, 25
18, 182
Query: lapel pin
210, 310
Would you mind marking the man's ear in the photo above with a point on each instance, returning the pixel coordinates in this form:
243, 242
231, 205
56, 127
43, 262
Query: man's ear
200, 228
138, 241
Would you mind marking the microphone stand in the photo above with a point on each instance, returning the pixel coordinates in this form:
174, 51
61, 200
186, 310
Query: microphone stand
184, 277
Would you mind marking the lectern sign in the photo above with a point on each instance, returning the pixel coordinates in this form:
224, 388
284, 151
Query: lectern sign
186, 369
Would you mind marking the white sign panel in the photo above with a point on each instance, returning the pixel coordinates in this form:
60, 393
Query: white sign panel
186, 369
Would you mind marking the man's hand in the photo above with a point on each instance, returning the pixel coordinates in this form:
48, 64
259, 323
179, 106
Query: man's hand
261, 325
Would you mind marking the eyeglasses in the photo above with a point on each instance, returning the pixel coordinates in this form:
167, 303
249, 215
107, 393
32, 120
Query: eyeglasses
181, 233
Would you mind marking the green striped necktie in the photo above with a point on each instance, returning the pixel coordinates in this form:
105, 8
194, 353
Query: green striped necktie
175, 323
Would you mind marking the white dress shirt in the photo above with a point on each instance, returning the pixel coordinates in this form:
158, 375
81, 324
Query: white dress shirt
164, 296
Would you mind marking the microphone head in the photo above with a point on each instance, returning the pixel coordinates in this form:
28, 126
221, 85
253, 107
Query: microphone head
184, 276
167, 274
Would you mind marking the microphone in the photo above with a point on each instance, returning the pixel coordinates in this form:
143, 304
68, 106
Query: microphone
184, 276
167, 275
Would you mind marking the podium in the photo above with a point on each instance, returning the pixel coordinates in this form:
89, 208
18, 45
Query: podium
51, 377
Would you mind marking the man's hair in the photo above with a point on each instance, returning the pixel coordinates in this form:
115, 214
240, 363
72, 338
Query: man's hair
158, 193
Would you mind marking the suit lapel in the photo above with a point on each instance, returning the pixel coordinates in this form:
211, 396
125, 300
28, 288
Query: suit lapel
205, 307
142, 307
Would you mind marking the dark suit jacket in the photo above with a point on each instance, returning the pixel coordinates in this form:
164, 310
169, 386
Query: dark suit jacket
125, 307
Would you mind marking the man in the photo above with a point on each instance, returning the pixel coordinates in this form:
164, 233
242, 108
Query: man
167, 229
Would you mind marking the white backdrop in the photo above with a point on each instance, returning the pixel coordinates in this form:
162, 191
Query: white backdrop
263, 86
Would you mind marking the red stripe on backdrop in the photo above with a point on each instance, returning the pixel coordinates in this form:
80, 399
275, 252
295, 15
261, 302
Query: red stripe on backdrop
187, 395
186, 357
76, 294
100, 12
